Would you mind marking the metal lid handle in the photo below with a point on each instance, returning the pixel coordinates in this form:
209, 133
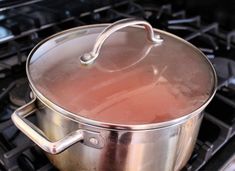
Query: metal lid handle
88, 58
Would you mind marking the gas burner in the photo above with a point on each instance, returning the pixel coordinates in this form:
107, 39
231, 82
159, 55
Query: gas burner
225, 69
20, 94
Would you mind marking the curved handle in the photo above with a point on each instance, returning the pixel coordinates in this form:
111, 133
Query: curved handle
37, 135
88, 58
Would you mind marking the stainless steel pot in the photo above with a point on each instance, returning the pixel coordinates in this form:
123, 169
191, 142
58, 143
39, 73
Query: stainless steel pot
74, 142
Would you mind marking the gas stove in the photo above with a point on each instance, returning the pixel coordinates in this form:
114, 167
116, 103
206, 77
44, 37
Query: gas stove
25, 23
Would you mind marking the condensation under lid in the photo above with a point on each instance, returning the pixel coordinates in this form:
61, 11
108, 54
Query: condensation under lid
132, 81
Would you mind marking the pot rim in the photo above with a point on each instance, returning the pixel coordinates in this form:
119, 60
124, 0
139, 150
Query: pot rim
81, 119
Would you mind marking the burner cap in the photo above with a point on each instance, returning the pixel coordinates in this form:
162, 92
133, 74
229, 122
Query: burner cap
20, 94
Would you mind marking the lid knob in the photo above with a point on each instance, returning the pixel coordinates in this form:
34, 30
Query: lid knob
90, 57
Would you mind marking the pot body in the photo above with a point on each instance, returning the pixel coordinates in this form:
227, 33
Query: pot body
164, 149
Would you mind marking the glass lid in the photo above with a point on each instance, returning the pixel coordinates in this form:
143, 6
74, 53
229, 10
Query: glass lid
121, 73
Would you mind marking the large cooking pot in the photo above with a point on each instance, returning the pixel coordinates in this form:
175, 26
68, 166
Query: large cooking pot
125, 102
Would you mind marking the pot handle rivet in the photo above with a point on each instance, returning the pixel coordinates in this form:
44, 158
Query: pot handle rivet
90, 57
94, 141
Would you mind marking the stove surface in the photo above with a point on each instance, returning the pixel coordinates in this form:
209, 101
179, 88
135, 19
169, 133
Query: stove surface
25, 23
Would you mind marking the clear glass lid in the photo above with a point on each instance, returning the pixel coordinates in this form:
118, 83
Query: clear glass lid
124, 75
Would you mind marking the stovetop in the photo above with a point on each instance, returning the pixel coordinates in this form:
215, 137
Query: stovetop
25, 23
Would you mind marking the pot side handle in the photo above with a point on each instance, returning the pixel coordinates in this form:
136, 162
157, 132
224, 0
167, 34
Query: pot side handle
90, 57
37, 136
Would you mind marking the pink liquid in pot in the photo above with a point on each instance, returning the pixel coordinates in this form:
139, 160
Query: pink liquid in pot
136, 97
171, 82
